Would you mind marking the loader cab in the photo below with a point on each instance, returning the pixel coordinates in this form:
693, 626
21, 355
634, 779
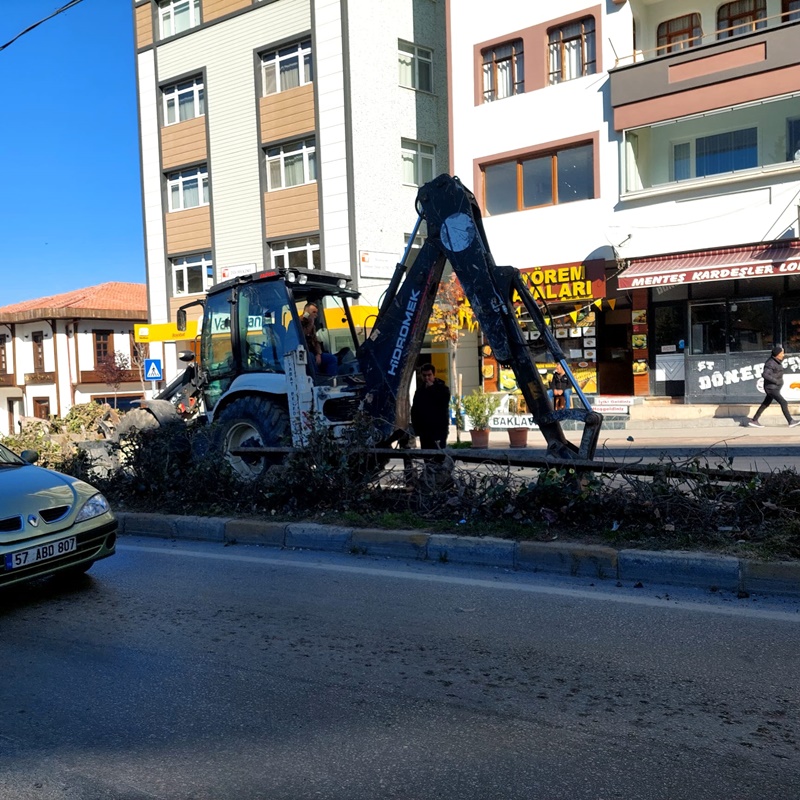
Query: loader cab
250, 323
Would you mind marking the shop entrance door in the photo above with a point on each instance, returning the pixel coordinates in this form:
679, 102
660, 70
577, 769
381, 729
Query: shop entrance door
615, 356
669, 342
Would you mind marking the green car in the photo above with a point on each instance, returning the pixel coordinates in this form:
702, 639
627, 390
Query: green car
50, 524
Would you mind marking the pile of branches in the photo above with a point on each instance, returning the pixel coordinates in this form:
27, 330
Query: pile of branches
179, 469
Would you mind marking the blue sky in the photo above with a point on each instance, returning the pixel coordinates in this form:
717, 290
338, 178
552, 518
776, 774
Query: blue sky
70, 200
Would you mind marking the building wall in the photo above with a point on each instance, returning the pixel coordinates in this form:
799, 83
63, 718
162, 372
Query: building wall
579, 108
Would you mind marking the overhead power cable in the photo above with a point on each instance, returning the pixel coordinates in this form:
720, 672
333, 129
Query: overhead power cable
58, 11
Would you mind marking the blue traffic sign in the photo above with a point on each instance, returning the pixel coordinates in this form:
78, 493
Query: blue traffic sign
152, 369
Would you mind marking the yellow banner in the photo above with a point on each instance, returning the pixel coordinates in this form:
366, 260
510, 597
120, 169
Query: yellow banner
164, 332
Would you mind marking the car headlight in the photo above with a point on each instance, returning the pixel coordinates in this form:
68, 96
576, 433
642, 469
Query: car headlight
93, 507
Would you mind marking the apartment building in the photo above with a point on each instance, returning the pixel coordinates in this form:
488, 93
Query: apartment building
284, 132
52, 350
638, 160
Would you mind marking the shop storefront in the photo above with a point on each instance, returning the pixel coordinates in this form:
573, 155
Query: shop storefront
715, 315
592, 326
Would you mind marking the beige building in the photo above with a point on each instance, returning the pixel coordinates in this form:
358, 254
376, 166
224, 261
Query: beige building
277, 132
52, 349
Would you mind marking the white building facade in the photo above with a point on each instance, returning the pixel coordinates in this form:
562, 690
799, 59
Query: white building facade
647, 148
284, 132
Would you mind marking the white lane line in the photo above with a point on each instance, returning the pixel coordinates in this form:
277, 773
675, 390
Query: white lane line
600, 593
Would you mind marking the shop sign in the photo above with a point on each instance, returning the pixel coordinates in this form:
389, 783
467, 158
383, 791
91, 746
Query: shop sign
738, 374
567, 283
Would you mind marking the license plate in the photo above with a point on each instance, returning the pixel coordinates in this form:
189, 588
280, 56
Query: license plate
24, 558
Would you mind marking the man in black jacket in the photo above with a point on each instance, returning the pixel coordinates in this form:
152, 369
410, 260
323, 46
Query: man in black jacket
773, 381
430, 411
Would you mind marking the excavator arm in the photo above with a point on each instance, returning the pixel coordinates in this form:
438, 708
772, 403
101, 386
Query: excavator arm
388, 357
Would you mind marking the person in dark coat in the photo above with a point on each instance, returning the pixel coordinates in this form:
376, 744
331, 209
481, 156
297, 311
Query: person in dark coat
773, 381
560, 390
430, 411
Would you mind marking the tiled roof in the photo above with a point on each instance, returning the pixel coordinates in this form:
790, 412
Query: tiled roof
114, 299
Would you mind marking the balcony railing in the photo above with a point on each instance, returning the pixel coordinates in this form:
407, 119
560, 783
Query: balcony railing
722, 35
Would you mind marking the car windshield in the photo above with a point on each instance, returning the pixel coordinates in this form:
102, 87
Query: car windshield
8, 458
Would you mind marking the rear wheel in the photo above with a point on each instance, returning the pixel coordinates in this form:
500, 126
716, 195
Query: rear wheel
252, 422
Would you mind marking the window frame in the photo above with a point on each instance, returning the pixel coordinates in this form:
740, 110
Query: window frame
102, 345
166, 12
284, 248
516, 61
302, 50
182, 264
692, 26
180, 179
587, 67
194, 86
307, 147
790, 10
732, 28
415, 52
553, 154
414, 148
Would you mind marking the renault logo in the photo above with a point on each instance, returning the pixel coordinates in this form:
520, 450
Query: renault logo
33, 520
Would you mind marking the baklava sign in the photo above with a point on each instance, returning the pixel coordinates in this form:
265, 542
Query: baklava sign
568, 283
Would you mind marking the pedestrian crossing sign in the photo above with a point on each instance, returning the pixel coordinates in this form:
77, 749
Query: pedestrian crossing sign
152, 369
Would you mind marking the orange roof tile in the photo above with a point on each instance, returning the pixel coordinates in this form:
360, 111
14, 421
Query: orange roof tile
113, 297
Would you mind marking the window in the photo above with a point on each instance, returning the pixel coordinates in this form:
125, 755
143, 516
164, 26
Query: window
793, 139
679, 33
414, 246
733, 326
418, 162
184, 101
572, 50
103, 350
716, 154
730, 140
291, 164
726, 152
503, 71
3, 354
188, 189
286, 68
552, 178
176, 16
37, 338
298, 253
192, 274
791, 10
741, 16
416, 67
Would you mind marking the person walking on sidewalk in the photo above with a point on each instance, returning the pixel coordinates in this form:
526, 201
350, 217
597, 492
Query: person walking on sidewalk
773, 381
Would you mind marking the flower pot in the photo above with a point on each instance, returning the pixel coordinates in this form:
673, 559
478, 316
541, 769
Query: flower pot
480, 438
517, 437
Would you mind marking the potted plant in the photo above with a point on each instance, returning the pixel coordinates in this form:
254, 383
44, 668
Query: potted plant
479, 407
517, 436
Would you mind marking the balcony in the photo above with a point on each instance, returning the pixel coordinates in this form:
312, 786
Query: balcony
33, 378
7, 379
706, 73
97, 376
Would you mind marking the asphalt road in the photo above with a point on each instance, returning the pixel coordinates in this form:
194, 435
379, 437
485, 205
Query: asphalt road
190, 670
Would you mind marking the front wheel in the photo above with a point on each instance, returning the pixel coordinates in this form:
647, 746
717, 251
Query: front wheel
252, 421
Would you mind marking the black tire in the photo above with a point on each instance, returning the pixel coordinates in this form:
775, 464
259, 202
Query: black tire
252, 421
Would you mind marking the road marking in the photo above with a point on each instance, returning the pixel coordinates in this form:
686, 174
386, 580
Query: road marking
601, 592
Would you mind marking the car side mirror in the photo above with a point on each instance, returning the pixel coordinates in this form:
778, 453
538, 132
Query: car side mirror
29, 456
186, 355
181, 319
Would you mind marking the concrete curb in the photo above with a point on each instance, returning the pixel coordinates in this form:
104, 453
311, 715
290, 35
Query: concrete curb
671, 567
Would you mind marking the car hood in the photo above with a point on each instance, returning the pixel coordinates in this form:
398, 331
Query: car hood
30, 490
